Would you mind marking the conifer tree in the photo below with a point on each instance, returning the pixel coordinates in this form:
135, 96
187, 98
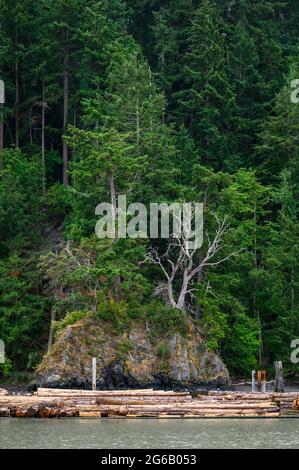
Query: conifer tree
63, 20
278, 147
243, 66
207, 103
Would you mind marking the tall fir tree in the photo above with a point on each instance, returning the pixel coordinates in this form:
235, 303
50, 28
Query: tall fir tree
207, 103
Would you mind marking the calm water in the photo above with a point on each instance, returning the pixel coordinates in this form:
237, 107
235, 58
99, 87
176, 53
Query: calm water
149, 433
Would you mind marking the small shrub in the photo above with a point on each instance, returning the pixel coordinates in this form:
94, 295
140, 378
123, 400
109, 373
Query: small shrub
163, 351
116, 312
6, 368
125, 346
92, 352
70, 319
201, 348
164, 320
163, 354
34, 358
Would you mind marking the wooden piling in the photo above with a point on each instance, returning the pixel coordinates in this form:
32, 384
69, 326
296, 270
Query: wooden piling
279, 380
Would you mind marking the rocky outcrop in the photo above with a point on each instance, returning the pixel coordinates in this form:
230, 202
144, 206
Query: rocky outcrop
133, 359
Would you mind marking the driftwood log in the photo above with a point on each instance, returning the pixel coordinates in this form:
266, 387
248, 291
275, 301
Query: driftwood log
295, 405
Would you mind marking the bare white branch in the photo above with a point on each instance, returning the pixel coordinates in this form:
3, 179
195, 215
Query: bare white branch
180, 258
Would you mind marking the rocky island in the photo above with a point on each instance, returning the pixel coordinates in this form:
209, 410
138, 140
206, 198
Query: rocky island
131, 359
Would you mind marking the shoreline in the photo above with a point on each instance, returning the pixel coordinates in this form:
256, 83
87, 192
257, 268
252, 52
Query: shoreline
14, 387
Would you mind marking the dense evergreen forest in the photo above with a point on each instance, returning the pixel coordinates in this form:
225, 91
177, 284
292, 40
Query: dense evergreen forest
164, 101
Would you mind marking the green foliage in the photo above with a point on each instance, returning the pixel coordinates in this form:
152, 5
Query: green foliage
22, 310
213, 323
163, 351
124, 346
164, 319
278, 146
243, 343
21, 215
6, 368
208, 101
115, 312
163, 354
70, 319
160, 319
163, 102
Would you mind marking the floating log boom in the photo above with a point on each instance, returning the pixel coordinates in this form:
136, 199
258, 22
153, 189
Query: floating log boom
145, 403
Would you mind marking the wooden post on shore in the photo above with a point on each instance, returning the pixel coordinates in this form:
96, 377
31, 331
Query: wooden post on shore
263, 381
253, 381
279, 381
259, 380
94, 373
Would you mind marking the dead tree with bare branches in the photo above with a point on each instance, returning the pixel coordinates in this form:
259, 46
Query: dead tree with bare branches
181, 264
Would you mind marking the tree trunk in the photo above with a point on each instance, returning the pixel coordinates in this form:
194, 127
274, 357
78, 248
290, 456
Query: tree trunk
52, 329
256, 288
17, 103
43, 140
170, 294
114, 211
292, 290
197, 306
182, 297
260, 338
137, 123
279, 381
65, 108
30, 126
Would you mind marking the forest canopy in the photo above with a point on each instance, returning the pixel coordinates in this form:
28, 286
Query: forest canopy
161, 101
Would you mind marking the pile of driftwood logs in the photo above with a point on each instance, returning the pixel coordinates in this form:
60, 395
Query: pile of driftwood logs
296, 404
47, 403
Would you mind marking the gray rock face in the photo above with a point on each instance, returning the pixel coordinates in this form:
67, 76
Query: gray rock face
131, 359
